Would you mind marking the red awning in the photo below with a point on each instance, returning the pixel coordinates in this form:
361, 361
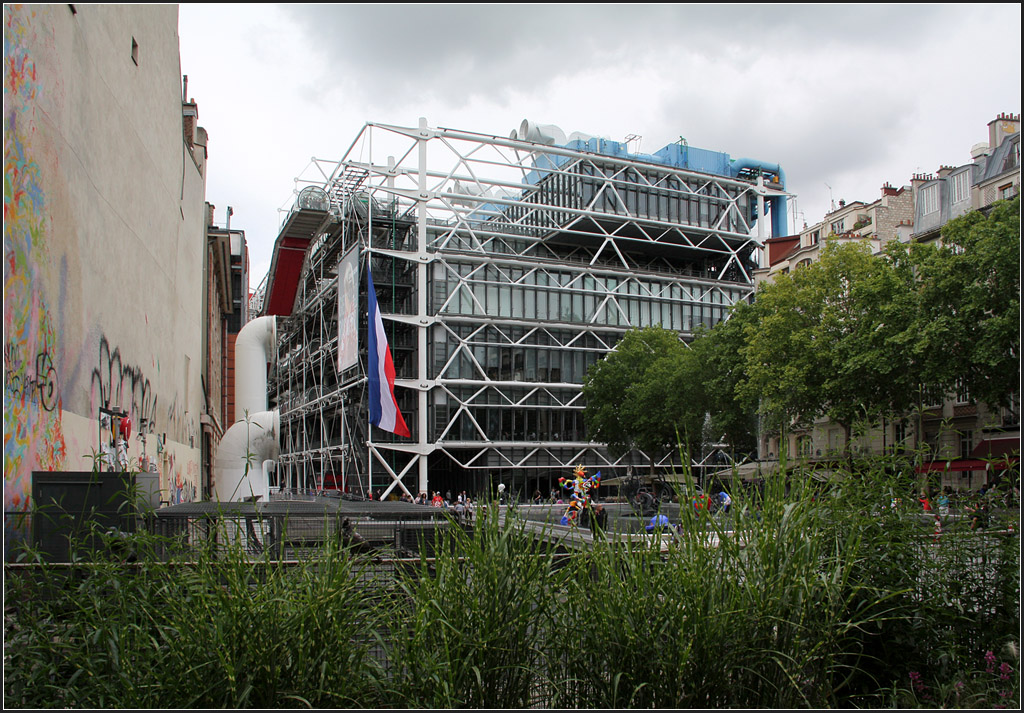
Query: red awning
965, 464
997, 448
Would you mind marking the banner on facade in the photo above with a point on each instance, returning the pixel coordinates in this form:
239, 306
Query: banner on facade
348, 310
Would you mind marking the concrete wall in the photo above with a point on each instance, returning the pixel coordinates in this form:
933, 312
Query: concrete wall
103, 240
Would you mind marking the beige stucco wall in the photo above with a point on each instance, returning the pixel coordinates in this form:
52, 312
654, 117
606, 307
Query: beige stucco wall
104, 240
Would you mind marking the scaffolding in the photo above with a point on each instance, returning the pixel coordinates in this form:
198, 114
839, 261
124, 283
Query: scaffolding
504, 269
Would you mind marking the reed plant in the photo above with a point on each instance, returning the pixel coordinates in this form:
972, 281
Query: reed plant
763, 618
469, 627
805, 596
220, 630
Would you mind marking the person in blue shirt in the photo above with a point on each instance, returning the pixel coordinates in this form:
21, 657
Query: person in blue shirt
725, 501
657, 522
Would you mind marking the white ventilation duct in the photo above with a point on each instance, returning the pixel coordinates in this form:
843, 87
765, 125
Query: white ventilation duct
580, 136
243, 455
255, 347
473, 191
548, 134
241, 471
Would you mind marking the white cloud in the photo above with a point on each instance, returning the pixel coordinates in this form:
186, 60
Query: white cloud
849, 96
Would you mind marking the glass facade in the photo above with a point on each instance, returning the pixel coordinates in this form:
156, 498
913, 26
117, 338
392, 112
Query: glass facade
497, 299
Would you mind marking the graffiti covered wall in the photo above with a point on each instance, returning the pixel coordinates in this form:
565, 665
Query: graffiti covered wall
103, 245
33, 434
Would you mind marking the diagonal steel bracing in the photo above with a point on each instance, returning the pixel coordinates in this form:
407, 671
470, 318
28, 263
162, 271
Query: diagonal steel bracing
506, 268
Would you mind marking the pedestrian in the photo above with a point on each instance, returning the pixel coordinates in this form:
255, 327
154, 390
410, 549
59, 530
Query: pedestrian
659, 522
599, 521
726, 501
979, 515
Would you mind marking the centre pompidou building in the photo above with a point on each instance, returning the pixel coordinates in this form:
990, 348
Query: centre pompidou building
504, 269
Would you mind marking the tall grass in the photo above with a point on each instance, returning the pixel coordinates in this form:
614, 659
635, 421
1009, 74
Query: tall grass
469, 626
811, 599
220, 631
765, 618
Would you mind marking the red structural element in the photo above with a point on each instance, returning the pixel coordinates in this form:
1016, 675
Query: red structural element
289, 254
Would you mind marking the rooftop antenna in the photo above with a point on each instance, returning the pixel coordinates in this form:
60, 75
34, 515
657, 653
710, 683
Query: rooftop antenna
830, 199
798, 212
631, 138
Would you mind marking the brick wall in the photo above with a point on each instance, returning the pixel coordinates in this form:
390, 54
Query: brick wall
229, 379
896, 207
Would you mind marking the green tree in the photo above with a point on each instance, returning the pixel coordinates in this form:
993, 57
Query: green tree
631, 392
971, 295
783, 362
830, 339
720, 368
867, 320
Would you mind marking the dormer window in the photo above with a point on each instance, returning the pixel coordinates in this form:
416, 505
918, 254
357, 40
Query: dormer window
929, 198
1012, 157
961, 185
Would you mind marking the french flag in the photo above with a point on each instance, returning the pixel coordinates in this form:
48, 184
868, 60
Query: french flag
384, 413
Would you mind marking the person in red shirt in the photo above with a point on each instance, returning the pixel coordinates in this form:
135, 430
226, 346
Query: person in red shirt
925, 502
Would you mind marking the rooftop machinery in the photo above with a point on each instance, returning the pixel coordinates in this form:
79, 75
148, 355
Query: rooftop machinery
504, 268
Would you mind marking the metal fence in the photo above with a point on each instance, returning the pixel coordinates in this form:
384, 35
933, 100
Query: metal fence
280, 530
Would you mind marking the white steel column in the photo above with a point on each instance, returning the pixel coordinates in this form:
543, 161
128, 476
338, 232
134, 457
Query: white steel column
422, 264
760, 210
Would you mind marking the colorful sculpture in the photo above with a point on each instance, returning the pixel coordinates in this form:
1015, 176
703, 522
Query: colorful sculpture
580, 498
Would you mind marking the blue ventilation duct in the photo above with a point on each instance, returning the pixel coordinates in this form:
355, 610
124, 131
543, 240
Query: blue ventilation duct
677, 155
780, 225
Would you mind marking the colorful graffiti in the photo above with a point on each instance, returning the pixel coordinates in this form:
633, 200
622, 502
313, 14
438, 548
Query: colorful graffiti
182, 480
33, 432
121, 386
61, 371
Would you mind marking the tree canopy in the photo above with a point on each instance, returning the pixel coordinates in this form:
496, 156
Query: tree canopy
628, 396
972, 287
830, 339
853, 336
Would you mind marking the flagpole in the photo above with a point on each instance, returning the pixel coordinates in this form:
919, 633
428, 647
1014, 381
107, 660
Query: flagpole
369, 326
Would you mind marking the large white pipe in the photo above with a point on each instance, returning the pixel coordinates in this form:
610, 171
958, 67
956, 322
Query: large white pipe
255, 347
241, 468
241, 472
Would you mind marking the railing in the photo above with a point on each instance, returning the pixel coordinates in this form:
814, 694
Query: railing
179, 532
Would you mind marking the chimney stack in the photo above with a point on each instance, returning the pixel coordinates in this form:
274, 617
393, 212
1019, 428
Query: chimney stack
1001, 127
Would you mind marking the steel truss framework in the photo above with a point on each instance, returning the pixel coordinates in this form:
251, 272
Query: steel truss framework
502, 279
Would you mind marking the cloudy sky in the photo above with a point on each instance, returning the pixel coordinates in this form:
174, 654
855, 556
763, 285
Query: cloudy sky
843, 97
